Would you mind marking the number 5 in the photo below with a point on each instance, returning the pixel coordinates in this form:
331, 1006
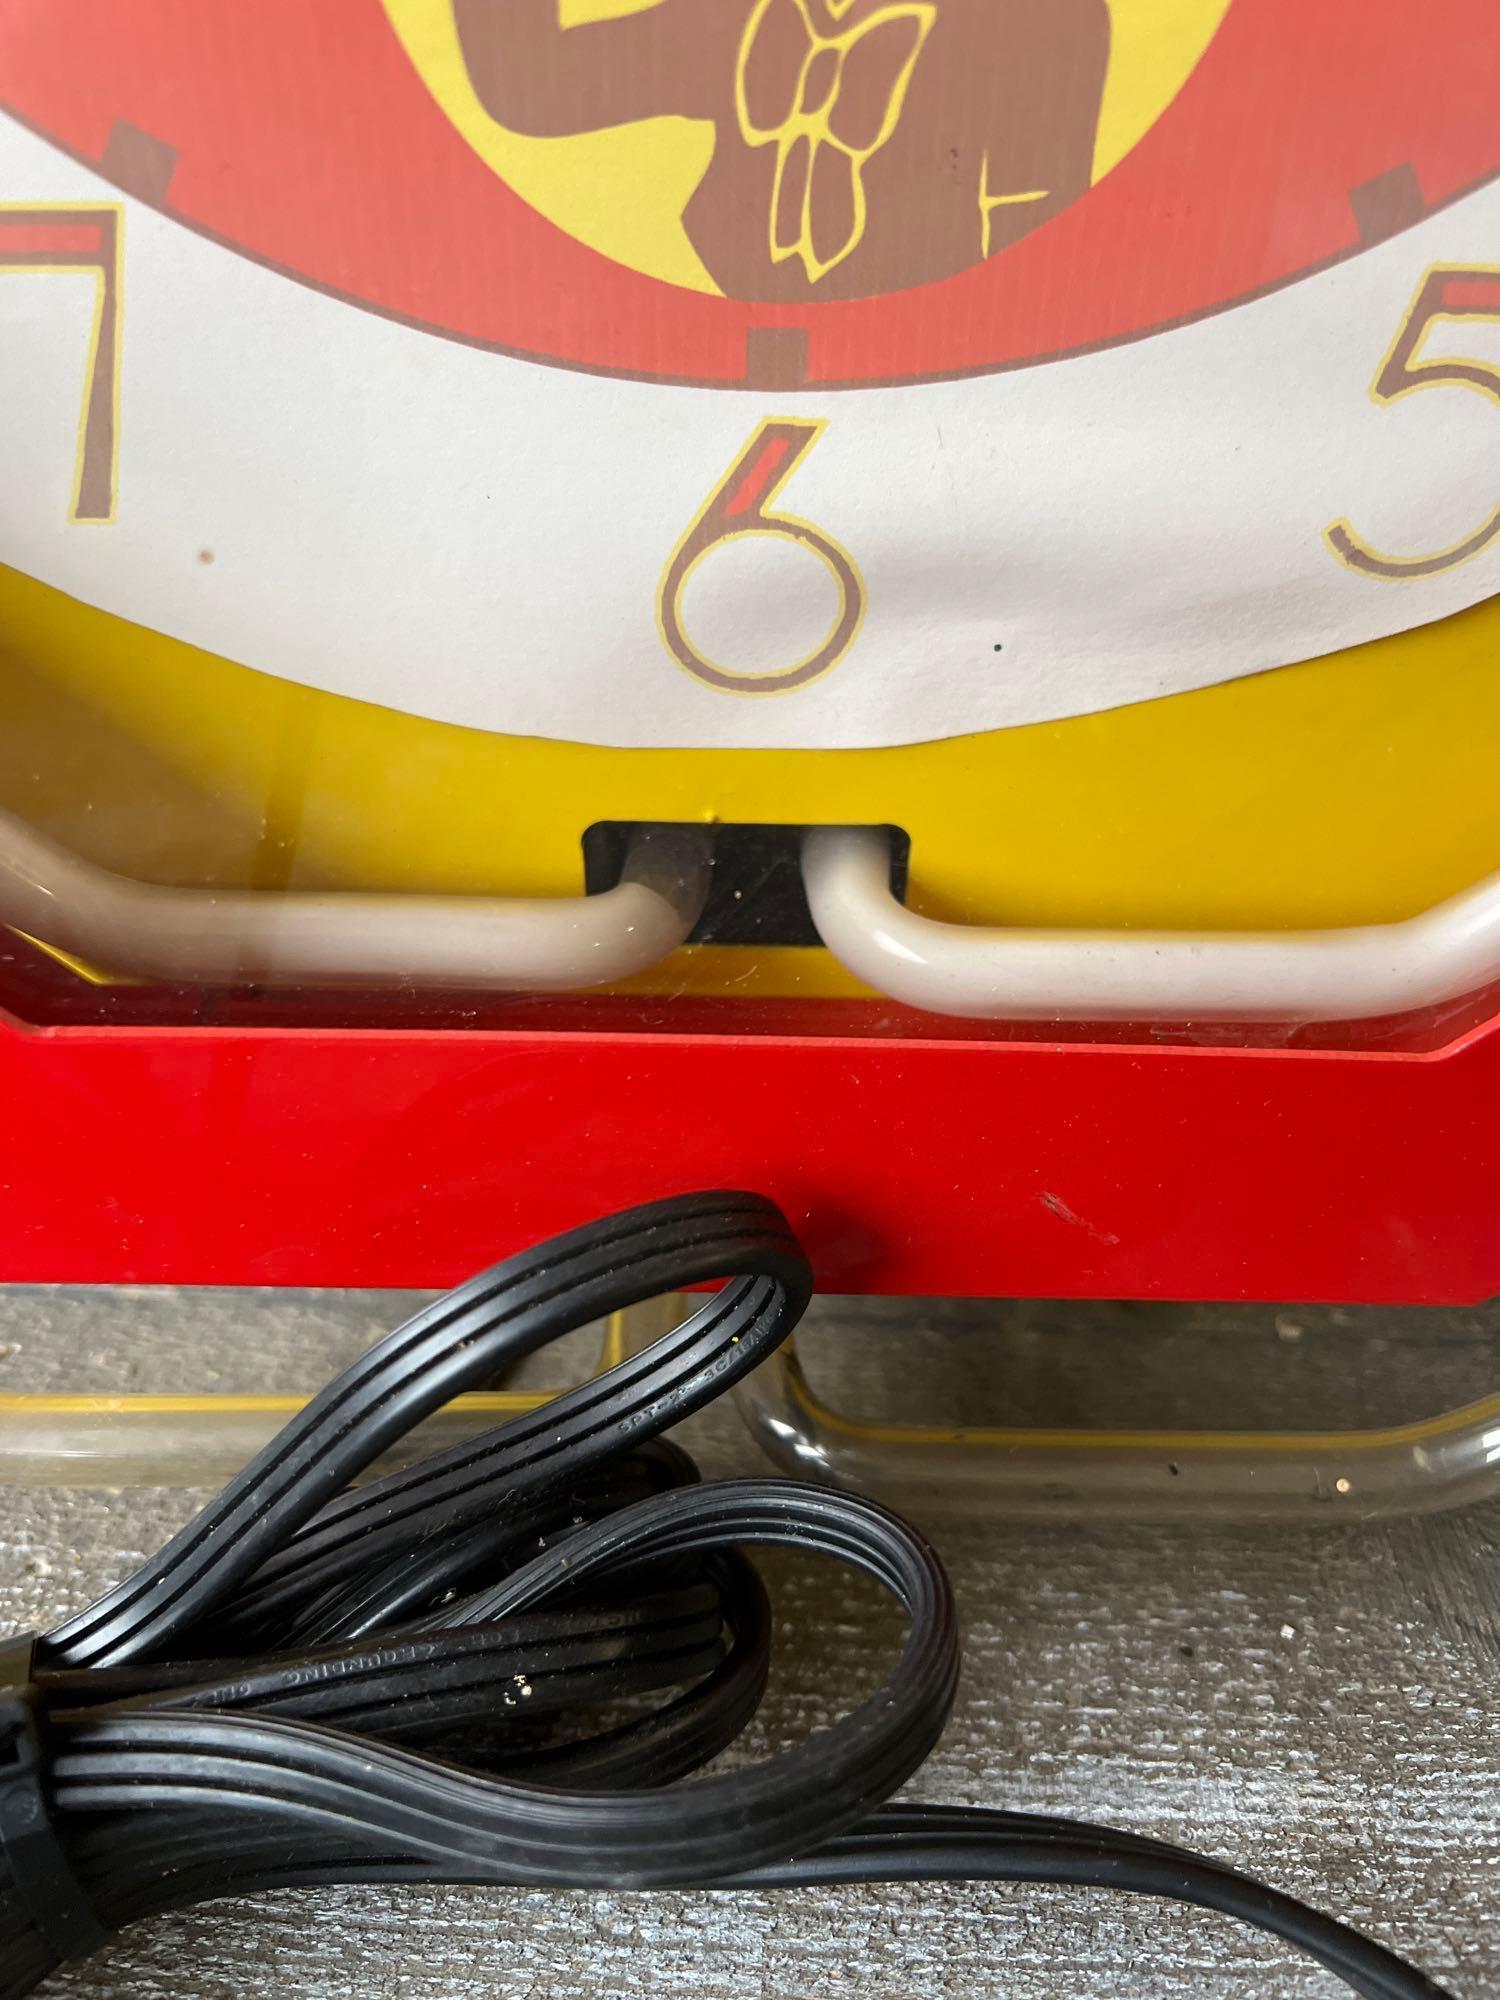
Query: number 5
1449, 291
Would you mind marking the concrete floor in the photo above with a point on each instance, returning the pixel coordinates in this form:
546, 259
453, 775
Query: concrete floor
1313, 1703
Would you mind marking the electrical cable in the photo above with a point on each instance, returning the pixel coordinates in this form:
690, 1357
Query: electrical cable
511, 1663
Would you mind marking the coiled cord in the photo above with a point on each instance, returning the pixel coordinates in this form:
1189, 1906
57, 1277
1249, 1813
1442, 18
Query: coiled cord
419, 1678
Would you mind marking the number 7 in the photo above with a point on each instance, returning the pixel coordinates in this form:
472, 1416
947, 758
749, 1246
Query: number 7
43, 237
1449, 291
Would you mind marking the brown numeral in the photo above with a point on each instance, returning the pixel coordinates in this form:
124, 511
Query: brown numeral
51, 237
741, 505
1449, 291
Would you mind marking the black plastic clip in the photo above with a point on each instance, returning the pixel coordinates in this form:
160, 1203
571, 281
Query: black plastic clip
42, 1878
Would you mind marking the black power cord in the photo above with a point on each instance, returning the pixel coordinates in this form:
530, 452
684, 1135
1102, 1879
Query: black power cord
420, 1678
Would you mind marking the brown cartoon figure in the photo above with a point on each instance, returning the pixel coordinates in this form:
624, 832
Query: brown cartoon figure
861, 145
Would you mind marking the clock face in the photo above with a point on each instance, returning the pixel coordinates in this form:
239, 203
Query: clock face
764, 374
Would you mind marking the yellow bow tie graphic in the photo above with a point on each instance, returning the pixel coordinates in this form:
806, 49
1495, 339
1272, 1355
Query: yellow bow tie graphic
827, 98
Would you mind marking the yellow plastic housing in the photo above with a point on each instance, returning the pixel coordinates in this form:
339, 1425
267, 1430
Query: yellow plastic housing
1351, 789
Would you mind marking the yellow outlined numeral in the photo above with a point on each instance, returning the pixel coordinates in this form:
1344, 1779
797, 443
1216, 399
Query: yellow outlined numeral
52, 237
1448, 291
740, 505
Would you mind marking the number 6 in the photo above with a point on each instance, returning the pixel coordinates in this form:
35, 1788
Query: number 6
1449, 291
741, 505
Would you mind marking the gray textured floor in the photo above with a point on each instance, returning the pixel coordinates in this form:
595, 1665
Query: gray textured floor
1315, 1704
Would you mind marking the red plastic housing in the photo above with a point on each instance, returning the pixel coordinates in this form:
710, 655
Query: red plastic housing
1343, 1165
